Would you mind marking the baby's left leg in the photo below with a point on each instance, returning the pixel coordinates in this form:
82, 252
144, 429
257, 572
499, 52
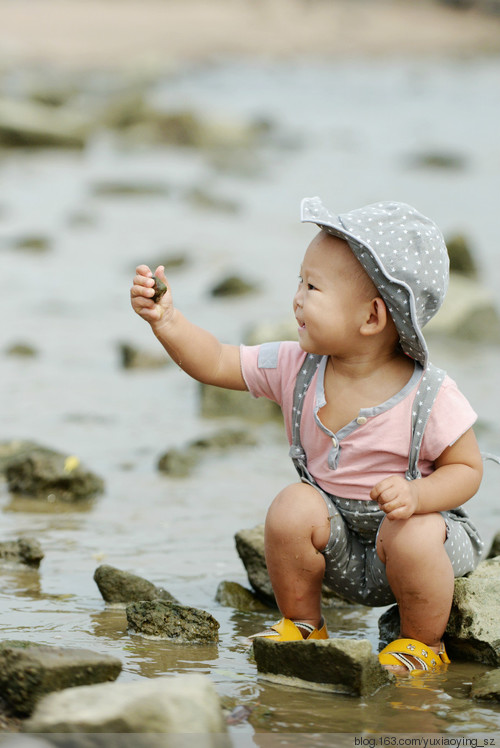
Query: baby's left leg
420, 574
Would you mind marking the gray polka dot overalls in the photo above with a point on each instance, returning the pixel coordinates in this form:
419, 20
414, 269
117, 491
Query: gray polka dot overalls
353, 568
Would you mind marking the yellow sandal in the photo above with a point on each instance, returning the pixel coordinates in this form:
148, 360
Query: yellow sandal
290, 631
405, 651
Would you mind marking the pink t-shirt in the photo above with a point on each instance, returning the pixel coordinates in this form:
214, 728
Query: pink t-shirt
373, 446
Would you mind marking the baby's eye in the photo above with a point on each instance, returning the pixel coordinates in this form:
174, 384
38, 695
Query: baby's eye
310, 287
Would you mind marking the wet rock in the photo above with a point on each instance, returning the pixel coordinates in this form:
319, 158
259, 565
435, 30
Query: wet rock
46, 474
24, 550
250, 548
468, 312
461, 256
202, 198
167, 705
233, 285
28, 673
342, 665
160, 289
130, 189
234, 595
22, 350
117, 586
216, 402
495, 546
439, 160
179, 463
487, 686
171, 621
30, 124
15, 449
473, 631
32, 243
132, 357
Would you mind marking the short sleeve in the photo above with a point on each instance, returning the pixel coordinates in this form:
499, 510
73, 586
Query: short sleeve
269, 370
451, 416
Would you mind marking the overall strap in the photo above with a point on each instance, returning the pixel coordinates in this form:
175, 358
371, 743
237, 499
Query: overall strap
304, 376
427, 391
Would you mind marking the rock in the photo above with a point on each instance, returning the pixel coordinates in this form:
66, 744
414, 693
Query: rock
233, 285
32, 243
473, 631
118, 586
130, 189
28, 673
343, 665
167, 705
30, 124
178, 463
22, 350
216, 402
440, 160
266, 332
468, 312
234, 595
461, 257
135, 358
199, 197
250, 548
24, 550
495, 546
487, 686
171, 621
50, 475
13, 450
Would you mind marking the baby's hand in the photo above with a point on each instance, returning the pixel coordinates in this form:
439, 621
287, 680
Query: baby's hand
396, 496
144, 291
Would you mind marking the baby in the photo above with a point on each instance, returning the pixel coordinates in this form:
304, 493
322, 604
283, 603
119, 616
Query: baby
381, 439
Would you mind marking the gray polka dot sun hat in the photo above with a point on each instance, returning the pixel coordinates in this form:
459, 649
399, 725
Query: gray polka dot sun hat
405, 255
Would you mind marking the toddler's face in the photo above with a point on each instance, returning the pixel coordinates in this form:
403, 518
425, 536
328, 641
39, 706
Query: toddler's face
328, 304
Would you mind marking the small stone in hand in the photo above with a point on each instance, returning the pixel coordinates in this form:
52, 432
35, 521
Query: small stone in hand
159, 288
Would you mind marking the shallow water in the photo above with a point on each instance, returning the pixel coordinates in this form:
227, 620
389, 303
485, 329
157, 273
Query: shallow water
347, 131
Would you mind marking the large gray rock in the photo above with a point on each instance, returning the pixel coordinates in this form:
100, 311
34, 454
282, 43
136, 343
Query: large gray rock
473, 631
28, 673
47, 474
117, 586
24, 550
179, 463
13, 450
179, 704
342, 665
171, 621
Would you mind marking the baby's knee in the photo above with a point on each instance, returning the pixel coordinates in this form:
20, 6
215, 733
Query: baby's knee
420, 534
299, 508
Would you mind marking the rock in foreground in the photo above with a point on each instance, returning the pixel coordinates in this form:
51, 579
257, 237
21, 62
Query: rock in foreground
117, 586
170, 621
28, 673
180, 704
342, 665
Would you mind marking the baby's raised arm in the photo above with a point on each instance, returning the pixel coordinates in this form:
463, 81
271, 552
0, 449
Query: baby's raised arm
195, 350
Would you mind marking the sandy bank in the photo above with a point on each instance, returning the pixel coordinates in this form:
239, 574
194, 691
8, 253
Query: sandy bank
127, 33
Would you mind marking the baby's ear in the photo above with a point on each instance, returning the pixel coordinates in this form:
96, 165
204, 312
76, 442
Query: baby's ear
376, 317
